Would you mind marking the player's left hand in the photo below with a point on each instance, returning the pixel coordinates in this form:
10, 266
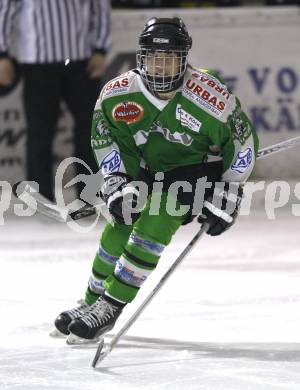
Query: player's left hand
221, 210
96, 66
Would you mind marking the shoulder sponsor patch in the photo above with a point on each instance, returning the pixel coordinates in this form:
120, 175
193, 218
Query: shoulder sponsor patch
128, 112
206, 99
187, 119
242, 161
212, 82
111, 162
117, 86
119, 83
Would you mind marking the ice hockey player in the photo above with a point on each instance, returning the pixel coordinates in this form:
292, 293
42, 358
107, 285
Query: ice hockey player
164, 116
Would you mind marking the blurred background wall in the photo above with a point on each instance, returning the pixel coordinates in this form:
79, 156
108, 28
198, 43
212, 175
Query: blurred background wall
255, 50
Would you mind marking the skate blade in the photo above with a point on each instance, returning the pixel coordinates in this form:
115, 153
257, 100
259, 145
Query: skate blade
72, 339
56, 334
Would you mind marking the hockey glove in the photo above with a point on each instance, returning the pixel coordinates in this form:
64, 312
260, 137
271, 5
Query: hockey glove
221, 210
121, 198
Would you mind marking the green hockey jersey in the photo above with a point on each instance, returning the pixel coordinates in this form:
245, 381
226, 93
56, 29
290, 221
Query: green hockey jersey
202, 122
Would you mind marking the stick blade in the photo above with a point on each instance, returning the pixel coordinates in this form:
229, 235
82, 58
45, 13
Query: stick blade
99, 354
15, 189
83, 212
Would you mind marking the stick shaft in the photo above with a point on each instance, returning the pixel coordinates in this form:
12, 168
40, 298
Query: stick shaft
267, 151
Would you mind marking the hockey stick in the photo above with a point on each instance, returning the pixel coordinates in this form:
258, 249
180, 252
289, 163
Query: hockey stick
100, 353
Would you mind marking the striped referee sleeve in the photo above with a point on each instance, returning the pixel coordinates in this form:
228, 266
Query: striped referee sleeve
101, 25
7, 12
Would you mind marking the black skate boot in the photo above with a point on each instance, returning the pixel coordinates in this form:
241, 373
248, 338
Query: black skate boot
66, 317
99, 319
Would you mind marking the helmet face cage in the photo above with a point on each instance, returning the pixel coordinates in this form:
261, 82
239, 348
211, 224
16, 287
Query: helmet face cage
162, 70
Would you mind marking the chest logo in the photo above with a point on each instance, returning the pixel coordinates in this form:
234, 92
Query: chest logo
141, 137
187, 119
128, 112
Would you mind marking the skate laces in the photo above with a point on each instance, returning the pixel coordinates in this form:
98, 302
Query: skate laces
98, 313
79, 310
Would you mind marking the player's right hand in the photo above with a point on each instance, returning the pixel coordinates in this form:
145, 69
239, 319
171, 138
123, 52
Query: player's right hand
121, 198
7, 72
221, 210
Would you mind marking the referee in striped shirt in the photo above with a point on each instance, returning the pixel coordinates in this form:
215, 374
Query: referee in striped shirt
61, 47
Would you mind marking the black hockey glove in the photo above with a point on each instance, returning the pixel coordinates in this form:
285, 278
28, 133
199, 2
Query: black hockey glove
221, 210
121, 198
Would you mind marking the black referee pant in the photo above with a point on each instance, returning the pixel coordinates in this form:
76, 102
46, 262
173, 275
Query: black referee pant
45, 85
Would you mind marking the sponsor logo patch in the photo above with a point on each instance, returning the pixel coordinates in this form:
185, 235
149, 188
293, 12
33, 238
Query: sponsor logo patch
102, 130
204, 98
183, 138
128, 276
242, 161
98, 143
241, 128
116, 87
213, 83
148, 245
161, 40
111, 162
176, 137
116, 84
128, 112
96, 285
96, 115
103, 136
117, 91
187, 119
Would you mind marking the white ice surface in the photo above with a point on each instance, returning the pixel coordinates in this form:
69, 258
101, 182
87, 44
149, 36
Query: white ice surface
228, 319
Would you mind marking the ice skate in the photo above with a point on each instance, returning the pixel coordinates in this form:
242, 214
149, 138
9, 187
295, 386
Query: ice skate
66, 317
96, 321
